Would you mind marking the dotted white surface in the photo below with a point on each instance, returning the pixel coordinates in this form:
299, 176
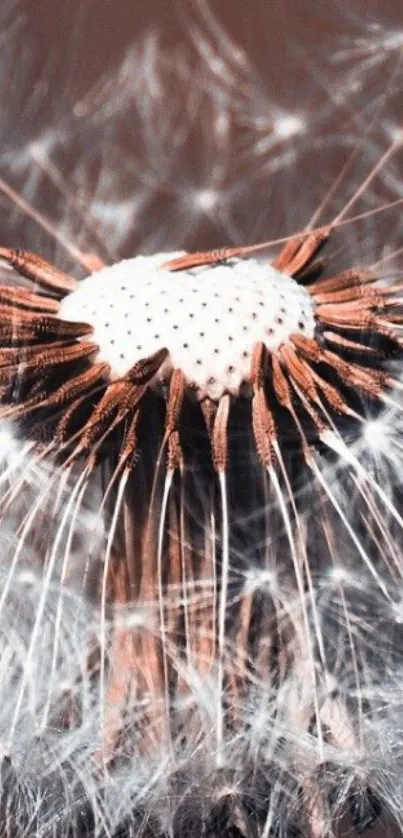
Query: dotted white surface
209, 318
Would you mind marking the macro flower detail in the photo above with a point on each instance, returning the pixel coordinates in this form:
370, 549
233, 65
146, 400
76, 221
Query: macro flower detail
193, 383
201, 453
209, 318
218, 324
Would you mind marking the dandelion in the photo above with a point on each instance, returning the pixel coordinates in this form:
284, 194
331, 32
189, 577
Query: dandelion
200, 463
141, 370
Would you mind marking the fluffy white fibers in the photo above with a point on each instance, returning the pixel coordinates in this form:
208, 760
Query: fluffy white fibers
256, 688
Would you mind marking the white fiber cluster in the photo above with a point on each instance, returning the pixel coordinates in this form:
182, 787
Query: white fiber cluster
209, 318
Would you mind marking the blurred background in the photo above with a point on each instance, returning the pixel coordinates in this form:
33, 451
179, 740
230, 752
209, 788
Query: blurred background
147, 126
133, 127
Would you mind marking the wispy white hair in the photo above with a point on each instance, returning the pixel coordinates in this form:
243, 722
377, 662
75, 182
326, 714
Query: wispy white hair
170, 147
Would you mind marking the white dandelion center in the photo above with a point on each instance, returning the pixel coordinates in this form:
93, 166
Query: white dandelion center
208, 318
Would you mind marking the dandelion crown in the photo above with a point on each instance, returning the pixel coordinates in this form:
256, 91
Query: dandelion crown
209, 318
208, 323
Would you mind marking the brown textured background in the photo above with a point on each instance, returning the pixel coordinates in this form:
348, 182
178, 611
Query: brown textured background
303, 57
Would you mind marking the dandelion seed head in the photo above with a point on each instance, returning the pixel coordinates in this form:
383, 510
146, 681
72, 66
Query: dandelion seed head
208, 318
8, 443
339, 575
379, 444
289, 125
138, 618
119, 654
394, 132
260, 579
375, 433
205, 199
27, 577
398, 611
